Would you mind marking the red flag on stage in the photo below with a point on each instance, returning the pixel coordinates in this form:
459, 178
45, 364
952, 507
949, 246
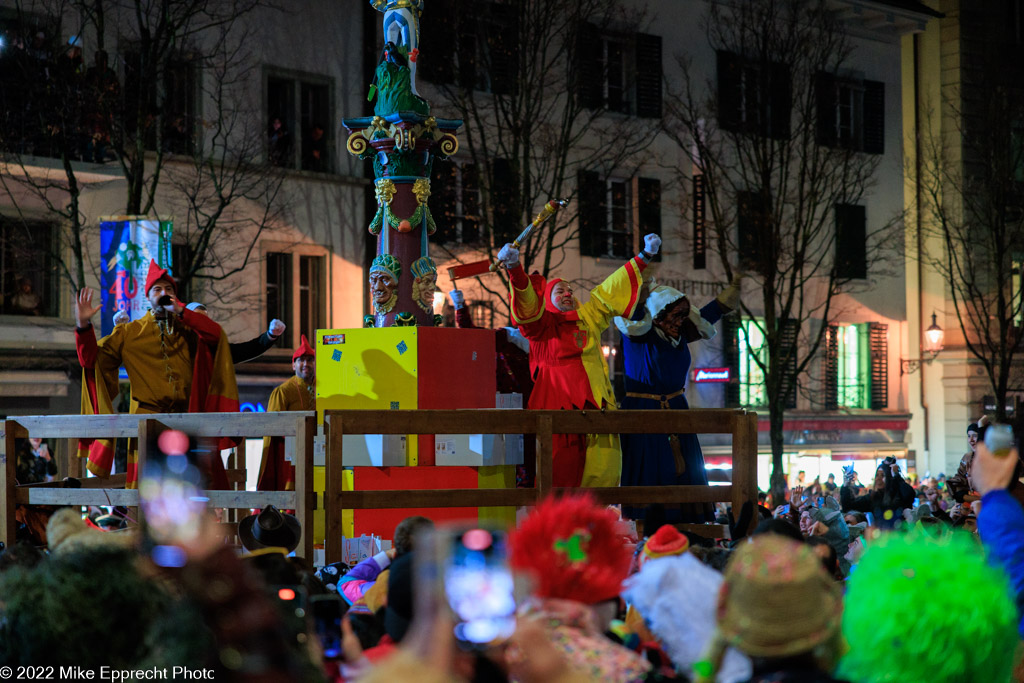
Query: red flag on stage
465, 270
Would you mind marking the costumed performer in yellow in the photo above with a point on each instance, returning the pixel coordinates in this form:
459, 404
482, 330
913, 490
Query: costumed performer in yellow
177, 361
297, 393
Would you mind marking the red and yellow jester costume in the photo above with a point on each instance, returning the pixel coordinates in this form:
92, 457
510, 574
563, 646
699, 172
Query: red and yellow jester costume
568, 367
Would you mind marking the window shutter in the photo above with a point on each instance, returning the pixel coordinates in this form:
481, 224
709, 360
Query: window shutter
650, 210
470, 204
874, 117
648, 76
503, 201
437, 63
731, 357
591, 214
789, 331
502, 45
878, 339
730, 77
589, 74
780, 101
851, 242
750, 225
467, 36
700, 236
825, 108
442, 201
832, 368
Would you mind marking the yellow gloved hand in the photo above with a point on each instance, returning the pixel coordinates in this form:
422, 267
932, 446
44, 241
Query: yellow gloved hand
729, 299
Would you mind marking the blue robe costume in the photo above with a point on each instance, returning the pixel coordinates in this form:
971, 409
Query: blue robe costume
655, 366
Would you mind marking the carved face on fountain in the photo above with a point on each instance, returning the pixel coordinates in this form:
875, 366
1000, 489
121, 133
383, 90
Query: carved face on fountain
425, 283
384, 275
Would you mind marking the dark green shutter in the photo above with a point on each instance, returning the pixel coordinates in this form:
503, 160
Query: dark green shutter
591, 214
832, 368
648, 76
589, 72
437, 61
851, 242
780, 100
874, 117
502, 48
442, 201
730, 77
731, 357
650, 210
825, 109
789, 337
878, 339
504, 184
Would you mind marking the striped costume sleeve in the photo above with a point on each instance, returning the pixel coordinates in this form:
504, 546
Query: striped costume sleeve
616, 296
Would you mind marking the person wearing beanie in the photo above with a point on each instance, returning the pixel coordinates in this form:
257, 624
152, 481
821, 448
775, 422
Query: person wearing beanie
656, 356
570, 371
573, 550
297, 393
243, 352
777, 606
177, 361
897, 630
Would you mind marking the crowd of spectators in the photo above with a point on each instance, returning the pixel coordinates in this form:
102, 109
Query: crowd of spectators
899, 581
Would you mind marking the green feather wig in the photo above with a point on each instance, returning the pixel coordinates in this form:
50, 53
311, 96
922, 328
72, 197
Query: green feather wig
924, 609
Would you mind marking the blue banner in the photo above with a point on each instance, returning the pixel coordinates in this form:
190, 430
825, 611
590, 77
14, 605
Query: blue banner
127, 244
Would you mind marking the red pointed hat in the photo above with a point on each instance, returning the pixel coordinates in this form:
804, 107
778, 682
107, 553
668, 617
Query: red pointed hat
303, 349
157, 273
666, 541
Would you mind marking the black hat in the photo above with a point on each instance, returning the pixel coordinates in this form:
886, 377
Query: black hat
973, 427
398, 613
271, 528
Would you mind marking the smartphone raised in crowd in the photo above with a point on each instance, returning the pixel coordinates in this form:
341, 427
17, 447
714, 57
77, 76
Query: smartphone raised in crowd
327, 612
469, 568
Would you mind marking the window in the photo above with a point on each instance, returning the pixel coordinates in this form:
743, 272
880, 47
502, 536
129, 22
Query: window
482, 314
176, 99
606, 214
298, 110
473, 45
850, 113
851, 242
856, 372
745, 344
28, 269
754, 97
181, 260
700, 236
455, 201
311, 305
279, 293
619, 71
295, 286
752, 348
753, 227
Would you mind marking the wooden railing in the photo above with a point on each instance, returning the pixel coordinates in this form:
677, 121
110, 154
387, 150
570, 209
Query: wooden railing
742, 425
98, 491
542, 423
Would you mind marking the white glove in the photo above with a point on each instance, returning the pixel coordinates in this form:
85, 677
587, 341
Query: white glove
508, 255
276, 328
458, 299
121, 317
652, 244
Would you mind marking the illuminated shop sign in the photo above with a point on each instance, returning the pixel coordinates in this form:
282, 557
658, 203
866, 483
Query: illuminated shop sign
710, 375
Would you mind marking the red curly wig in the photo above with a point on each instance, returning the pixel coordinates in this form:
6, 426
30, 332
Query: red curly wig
573, 549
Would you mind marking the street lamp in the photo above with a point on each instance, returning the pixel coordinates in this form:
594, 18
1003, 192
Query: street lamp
933, 338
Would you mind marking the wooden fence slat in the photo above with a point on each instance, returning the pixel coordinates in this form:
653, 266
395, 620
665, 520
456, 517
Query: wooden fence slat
438, 498
31, 495
8, 472
490, 421
305, 430
126, 425
646, 495
334, 426
545, 467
